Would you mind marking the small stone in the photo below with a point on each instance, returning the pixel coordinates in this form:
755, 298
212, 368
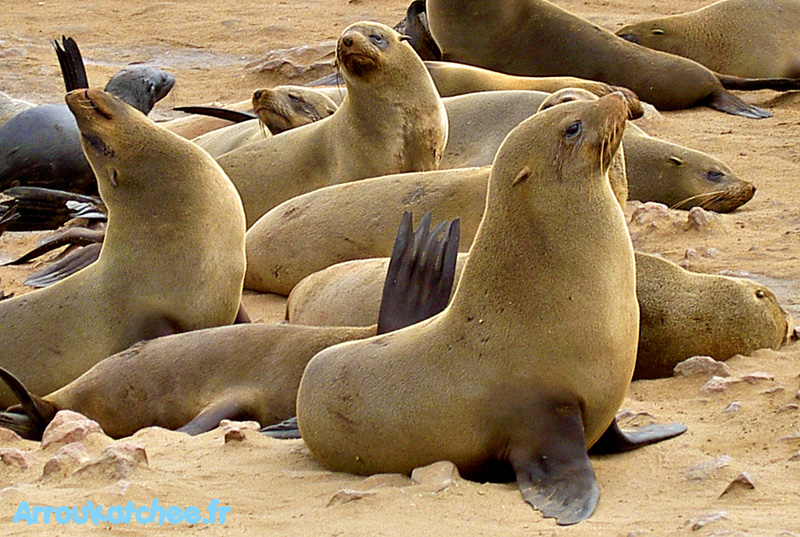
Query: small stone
117, 461
68, 427
733, 407
701, 365
705, 520
795, 457
703, 470
7, 436
16, 458
742, 481
348, 495
234, 434
244, 425
791, 437
718, 384
774, 390
649, 213
711, 252
65, 461
699, 218
788, 408
797, 395
437, 476
756, 377
690, 253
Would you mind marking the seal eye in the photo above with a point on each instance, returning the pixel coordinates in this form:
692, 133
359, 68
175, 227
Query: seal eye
378, 40
760, 293
573, 130
714, 176
294, 98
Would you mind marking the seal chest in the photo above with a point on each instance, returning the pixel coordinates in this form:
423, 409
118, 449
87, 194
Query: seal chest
532, 358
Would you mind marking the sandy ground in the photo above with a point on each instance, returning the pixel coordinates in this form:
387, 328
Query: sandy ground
751, 425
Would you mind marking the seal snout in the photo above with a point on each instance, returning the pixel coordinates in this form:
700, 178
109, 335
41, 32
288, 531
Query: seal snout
82, 101
356, 50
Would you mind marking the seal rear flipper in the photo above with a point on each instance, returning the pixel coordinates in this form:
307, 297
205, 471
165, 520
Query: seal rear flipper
221, 113
615, 440
420, 275
557, 478
31, 416
79, 236
724, 101
285, 430
208, 419
71, 62
70, 264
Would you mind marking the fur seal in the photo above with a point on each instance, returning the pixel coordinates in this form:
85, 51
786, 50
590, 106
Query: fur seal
682, 313
159, 272
486, 384
747, 38
550, 41
41, 146
191, 381
392, 112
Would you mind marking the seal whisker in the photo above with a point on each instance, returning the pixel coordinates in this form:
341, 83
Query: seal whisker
696, 197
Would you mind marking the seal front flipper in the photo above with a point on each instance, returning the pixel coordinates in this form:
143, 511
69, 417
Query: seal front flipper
221, 113
66, 266
556, 477
724, 101
31, 416
615, 440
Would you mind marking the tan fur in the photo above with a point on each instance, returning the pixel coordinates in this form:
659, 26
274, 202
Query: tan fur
220, 141
453, 387
683, 314
288, 107
172, 260
391, 121
747, 38
192, 126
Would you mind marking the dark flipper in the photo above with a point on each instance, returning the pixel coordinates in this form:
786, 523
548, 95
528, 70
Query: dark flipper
420, 275
72, 68
415, 27
557, 478
8, 217
43, 208
79, 236
31, 416
418, 284
724, 101
70, 264
209, 418
615, 440
221, 113
754, 84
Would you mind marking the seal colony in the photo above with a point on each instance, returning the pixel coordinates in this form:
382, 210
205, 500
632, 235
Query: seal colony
172, 259
391, 121
485, 384
549, 41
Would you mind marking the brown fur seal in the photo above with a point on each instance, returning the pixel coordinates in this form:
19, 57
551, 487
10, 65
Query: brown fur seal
288, 107
172, 260
392, 113
537, 38
487, 384
748, 38
682, 313
192, 381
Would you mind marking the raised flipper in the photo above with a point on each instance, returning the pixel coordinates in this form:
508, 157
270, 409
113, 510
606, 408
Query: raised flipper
221, 113
615, 440
555, 476
72, 68
725, 101
30, 417
79, 236
70, 264
418, 284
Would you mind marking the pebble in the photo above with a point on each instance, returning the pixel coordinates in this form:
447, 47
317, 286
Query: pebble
68, 427
703, 470
16, 458
699, 218
347, 496
701, 365
437, 476
705, 520
67, 459
742, 481
733, 407
117, 461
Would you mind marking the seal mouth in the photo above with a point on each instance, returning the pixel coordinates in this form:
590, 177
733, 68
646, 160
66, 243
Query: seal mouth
723, 200
617, 113
357, 63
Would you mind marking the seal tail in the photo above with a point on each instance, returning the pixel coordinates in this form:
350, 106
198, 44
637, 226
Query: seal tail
72, 68
221, 113
31, 416
725, 101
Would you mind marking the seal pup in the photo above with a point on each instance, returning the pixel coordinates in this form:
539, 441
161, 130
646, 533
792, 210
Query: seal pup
191, 381
41, 146
392, 113
486, 384
172, 259
546, 40
747, 38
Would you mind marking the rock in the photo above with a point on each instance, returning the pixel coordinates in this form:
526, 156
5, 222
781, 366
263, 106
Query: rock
703, 470
437, 476
718, 384
758, 376
7, 436
705, 520
733, 407
65, 461
789, 407
650, 214
68, 427
740, 483
16, 458
699, 218
244, 425
117, 461
348, 495
795, 457
701, 365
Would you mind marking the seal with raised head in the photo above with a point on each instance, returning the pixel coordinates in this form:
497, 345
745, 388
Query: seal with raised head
391, 121
537, 38
747, 38
525, 369
172, 259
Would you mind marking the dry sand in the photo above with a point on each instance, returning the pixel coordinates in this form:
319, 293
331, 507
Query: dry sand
750, 426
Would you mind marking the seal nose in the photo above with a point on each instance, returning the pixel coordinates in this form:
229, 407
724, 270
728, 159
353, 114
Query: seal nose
257, 94
347, 40
629, 37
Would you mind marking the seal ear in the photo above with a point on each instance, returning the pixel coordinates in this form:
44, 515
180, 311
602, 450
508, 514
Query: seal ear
523, 174
657, 31
676, 160
404, 37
